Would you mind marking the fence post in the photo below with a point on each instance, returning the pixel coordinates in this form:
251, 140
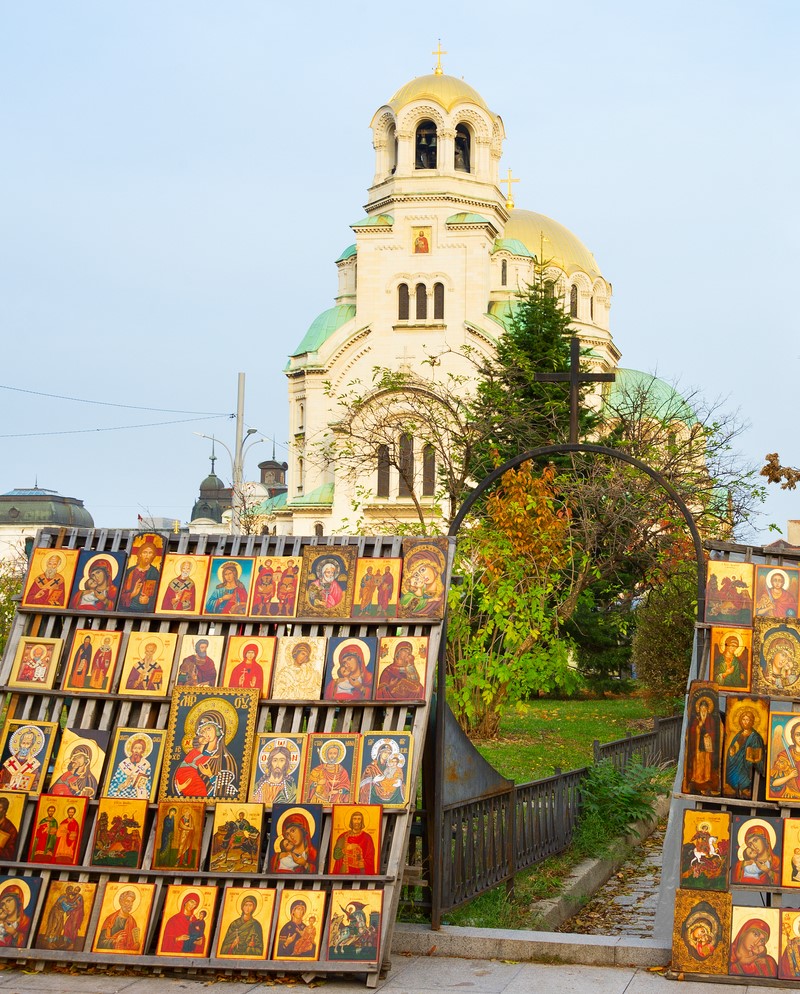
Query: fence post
596, 750
511, 843
657, 730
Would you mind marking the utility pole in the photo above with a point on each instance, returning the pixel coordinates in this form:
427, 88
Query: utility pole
237, 467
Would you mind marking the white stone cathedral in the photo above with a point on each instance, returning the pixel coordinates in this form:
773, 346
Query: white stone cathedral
434, 269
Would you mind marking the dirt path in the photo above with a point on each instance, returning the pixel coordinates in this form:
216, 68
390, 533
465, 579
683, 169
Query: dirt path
626, 905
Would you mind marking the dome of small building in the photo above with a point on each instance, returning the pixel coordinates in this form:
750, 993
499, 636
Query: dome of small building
212, 483
646, 392
323, 326
447, 91
556, 245
37, 507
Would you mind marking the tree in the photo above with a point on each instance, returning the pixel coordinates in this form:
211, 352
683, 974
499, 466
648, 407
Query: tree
503, 634
776, 473
12, 573
515, 411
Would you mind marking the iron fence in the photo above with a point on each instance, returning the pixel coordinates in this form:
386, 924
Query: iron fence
486, 840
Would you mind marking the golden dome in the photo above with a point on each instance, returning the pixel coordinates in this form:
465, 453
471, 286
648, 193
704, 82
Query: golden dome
555, 244
447, 91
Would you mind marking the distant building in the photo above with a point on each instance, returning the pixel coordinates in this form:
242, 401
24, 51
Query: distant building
24, 511
213, 510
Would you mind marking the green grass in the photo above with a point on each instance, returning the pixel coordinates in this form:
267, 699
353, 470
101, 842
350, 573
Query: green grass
538, 736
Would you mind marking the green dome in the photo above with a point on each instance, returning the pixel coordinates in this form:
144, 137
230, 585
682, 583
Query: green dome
512, 245
348, 253
324, 326
463, 218
321, 496
663, 400
37, 507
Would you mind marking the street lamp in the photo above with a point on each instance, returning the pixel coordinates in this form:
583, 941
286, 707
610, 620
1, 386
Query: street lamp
237, 469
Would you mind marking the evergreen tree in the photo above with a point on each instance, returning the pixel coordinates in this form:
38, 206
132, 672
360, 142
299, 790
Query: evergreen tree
520, 412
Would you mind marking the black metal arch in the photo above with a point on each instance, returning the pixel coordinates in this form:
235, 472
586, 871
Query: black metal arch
602, 450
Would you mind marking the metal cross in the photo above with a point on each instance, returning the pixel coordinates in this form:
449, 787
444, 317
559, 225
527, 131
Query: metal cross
509, 198
439, 52
575, 378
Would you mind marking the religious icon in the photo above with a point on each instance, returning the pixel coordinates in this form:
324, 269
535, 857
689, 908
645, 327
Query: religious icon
755, 936
91, 661
329, 773
327, 581
731, 653
97, 579
349, 669
705, 850
422, 240
729, 593
143, 571
178, 835
18, 897
35, 663
25, 754
299, 666
377, 588
783, 781
701, 932
776, 658
385, 769
124, 916
702, 758
147, 666
423, 591
789, 963
275, 587
187, 921
58, 826
301, 915
354, 930
183, 580
402, 668
49, 580
746, 732
355, 840
199, 658
209, 745
245, 922
236, 838
119, 832
228, 587
776, 592
12, 807
790, 865
66, 914
277, 769
135, 763
756, 851
248, 662
294, 839
79, 763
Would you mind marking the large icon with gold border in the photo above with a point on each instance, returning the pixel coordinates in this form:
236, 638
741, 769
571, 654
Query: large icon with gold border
209, 745
776, 658
701, 932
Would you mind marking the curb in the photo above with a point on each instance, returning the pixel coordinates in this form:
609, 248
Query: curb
522, 945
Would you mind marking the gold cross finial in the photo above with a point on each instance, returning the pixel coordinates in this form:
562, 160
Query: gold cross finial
439, 52
509, 198
176, 527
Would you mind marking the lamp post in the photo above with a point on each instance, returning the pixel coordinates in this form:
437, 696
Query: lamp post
237, 456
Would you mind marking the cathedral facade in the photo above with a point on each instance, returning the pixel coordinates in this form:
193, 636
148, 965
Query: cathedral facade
434, 270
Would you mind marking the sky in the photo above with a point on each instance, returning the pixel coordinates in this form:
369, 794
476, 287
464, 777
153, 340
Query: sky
178, 179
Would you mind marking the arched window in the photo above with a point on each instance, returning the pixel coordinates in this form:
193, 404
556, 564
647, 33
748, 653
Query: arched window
402, 302
318, 531
438, 301
591, 307
462, 148
504, 272
425, 146
428, 470
383, 471
406, 465
300, 468
573, 301
391, 139
422, 302
300, 416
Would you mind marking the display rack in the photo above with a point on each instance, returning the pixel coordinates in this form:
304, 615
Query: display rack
107, 711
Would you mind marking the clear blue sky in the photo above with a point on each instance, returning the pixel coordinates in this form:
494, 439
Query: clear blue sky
178, 179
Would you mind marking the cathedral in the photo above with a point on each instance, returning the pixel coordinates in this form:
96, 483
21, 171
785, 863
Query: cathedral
433, 269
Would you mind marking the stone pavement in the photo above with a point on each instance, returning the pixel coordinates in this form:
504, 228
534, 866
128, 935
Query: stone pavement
626, 905
409, 975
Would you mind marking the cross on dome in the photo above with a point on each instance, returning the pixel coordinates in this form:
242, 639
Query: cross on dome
439, 52
509, 198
